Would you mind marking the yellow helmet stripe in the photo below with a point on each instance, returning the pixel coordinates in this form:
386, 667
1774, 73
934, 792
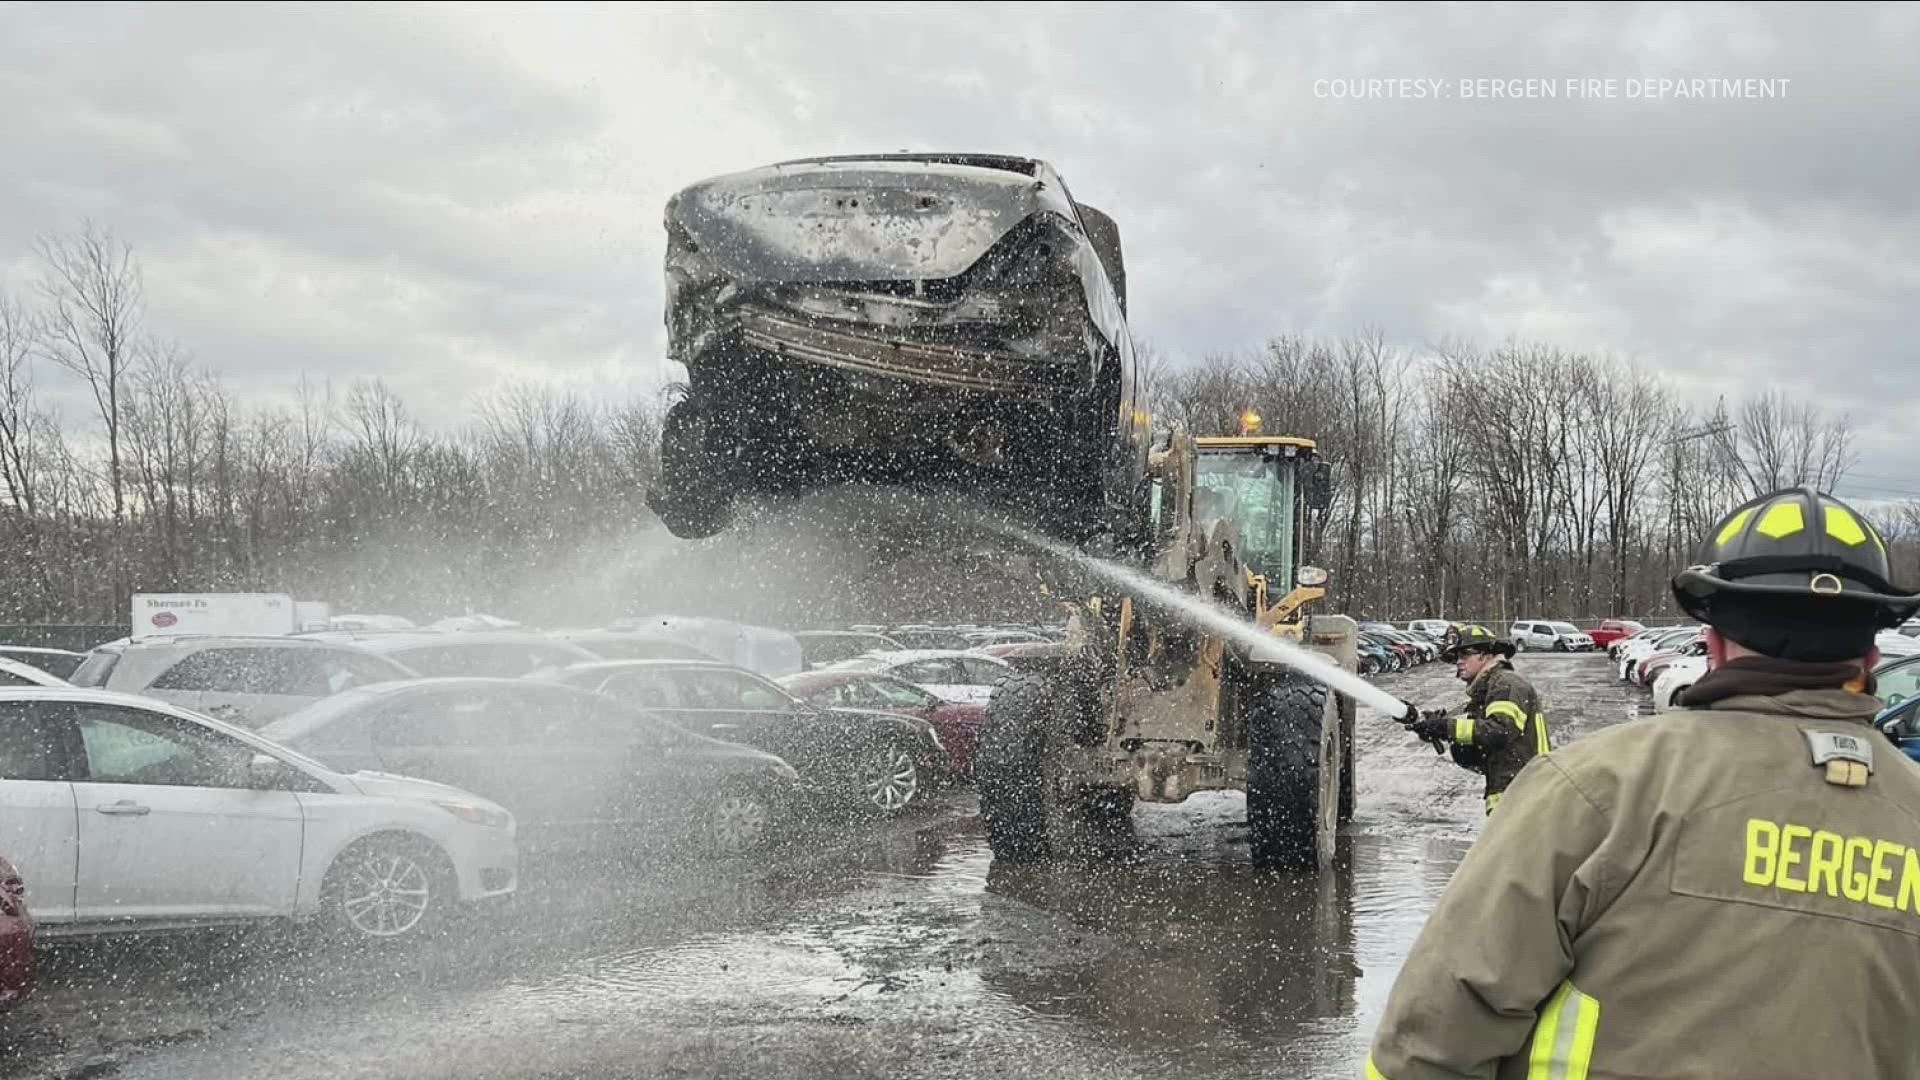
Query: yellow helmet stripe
1844, 527
1732, 528
1781, 520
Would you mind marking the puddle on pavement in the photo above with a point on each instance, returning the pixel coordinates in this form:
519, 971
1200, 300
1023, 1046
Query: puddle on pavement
1178, 959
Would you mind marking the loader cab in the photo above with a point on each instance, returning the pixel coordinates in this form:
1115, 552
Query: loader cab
1263, 484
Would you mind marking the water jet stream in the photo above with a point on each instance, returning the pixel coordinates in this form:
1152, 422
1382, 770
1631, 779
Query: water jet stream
1218, 620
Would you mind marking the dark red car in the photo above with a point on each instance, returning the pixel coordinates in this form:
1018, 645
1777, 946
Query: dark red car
16, 939
958, 724
1612, 630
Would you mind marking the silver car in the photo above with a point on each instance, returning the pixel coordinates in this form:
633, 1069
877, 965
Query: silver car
244, 680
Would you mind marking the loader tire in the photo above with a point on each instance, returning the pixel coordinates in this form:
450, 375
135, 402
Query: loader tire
1010, 766
1293, 800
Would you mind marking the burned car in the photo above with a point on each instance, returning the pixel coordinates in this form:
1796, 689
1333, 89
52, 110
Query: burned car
913, 319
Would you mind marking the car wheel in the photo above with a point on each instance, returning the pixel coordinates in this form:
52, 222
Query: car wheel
890, 778
388, 888
695, 498
739, 823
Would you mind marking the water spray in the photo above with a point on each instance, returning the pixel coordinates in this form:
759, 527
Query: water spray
1227, 624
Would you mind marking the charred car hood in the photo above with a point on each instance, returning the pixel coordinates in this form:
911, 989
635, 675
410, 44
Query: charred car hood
854, 221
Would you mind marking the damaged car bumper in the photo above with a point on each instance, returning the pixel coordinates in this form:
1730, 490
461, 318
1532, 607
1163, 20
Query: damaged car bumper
971, 279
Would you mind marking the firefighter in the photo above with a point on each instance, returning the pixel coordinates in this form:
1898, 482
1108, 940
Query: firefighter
1503, 726
1728, 889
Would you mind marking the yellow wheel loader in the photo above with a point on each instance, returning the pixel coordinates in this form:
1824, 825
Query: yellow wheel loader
1142, 705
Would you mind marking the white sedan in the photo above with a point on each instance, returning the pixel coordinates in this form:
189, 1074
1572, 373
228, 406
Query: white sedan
125, 813
1675, 679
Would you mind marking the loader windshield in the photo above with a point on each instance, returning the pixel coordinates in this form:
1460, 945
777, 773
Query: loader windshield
1254, 489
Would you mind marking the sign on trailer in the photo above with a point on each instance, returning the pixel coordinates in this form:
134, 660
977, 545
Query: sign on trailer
156, 614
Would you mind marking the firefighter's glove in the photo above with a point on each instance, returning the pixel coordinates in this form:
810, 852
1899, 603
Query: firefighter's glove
1433, 725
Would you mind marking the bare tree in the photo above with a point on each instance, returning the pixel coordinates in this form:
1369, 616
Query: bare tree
382, 430
94, 298
21, 423
1208, 398
1777, 442
1631, 419
1435, 481
166, 414
312, 431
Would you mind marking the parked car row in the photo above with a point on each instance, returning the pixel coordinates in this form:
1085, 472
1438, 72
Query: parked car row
373, 781
832, 646
1668, 660
1384, 650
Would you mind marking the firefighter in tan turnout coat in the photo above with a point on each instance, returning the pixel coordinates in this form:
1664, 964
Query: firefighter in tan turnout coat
1729, 890
1503, 726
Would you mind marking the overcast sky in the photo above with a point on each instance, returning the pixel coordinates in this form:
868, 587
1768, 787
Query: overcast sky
454, 195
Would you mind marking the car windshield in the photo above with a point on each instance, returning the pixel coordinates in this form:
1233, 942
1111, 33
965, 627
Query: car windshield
1564, 629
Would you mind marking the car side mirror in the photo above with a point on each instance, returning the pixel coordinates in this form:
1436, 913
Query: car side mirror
267, 773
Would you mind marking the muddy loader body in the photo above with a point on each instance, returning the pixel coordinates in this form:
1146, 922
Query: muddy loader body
1142, 705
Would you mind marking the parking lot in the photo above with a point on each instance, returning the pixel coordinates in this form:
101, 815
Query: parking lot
890, 949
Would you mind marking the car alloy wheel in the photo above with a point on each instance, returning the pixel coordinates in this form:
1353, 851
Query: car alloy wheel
891, 779
739, 823
386, 892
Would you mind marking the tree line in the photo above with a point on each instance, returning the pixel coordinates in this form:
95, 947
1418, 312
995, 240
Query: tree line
1516, 481
170, 481
1491, 483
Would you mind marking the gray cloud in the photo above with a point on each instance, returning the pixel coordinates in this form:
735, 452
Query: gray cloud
450, 196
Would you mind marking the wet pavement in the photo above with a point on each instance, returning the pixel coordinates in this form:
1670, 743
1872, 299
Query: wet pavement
896, 951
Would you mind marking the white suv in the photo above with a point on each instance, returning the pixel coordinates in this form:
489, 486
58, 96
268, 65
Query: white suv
125, 814
1550, 636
